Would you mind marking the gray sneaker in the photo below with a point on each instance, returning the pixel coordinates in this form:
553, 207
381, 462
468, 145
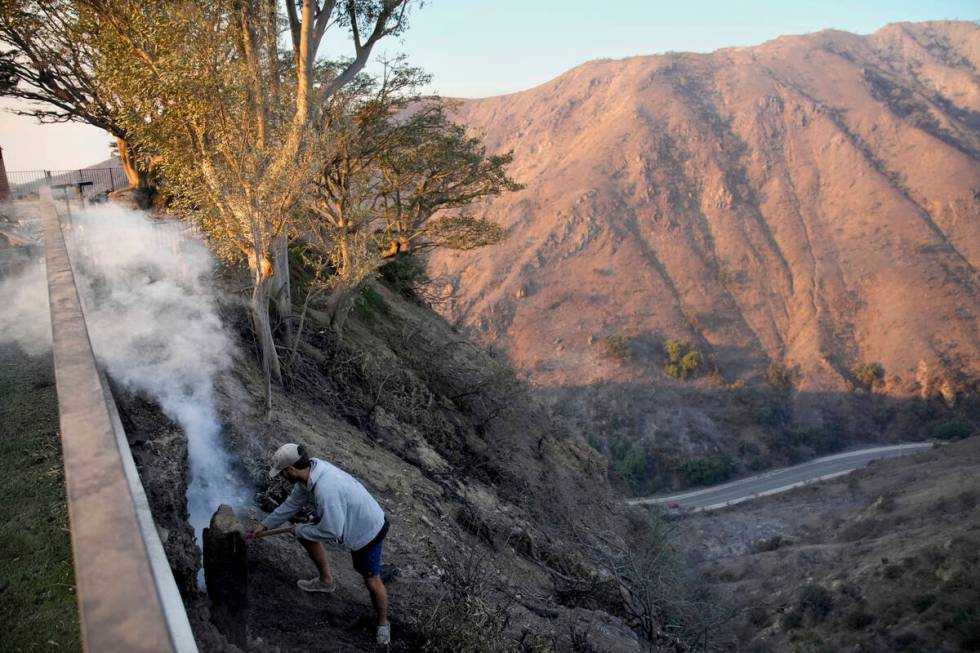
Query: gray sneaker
384, 635
314, 585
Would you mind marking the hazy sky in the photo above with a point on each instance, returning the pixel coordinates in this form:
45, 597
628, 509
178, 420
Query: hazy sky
476, 48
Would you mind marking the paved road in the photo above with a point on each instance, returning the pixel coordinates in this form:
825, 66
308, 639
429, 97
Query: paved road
780, 480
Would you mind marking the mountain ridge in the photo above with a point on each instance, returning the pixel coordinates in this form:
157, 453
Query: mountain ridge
810, 204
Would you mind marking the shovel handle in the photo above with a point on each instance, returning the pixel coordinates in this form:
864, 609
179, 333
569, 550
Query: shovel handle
273, 531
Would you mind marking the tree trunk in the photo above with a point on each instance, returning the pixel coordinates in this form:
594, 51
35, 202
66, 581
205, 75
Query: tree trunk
280, 279
134, 176
259, 307
338, 305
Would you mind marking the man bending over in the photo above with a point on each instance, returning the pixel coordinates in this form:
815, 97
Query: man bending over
347, 515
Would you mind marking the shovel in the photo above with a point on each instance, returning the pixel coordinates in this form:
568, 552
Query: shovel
267, 533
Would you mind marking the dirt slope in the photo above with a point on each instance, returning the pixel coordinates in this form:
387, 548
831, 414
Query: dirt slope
813, 201
885, 559
486, 497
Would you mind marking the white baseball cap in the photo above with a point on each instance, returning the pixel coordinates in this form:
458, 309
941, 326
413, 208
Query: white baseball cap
285, 456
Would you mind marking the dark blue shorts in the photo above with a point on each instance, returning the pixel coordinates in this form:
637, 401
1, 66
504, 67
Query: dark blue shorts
367, 560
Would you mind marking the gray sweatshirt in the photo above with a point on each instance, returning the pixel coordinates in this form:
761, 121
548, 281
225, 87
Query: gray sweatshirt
347, 515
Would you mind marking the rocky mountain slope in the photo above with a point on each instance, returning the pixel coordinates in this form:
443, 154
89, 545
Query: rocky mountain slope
885, 559
812, 202
496, 514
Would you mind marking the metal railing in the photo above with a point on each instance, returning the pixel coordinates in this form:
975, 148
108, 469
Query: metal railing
95, 181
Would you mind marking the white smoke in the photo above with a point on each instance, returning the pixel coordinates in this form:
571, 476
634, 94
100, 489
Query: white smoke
24, 317
151, 314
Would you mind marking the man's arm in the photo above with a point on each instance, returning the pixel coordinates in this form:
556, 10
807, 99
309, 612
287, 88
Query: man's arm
287, 508
332, 515
323, 530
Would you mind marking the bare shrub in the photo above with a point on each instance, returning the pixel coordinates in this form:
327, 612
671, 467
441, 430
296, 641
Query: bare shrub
869, 375
468, 616
617, 347
666, 602
816, 602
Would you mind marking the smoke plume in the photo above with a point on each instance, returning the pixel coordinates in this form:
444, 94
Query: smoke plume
152, 318
24, 318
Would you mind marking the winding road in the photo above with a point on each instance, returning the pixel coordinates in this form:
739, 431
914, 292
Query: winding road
779, 480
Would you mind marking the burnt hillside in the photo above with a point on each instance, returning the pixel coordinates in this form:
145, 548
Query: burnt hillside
807, 206
502, 521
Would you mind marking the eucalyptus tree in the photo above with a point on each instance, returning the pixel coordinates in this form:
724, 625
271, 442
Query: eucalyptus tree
431, 183
231, 116
49, 47
397, 179
347, 203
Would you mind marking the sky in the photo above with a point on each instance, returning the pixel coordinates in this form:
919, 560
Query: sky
479, 48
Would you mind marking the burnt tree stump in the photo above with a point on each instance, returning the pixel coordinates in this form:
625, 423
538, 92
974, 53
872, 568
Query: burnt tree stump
226, 574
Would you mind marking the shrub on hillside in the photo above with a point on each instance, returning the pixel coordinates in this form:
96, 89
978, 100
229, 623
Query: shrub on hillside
468, 616
741, 392
770, 411
632, 467
857, 619
617, 347
952, 430
816, 601
797, 441
630, 462
779, 376
405, 274
708, 471
792, 620
369, 303
682, 359
869, 375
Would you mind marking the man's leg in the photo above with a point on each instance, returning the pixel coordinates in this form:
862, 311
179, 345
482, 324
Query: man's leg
379, 597
318, 554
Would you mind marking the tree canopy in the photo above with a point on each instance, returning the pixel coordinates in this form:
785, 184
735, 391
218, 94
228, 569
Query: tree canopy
396, 180
259, 140
49, 62
230, 117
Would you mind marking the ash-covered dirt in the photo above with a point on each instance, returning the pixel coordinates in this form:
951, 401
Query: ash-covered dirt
491, 503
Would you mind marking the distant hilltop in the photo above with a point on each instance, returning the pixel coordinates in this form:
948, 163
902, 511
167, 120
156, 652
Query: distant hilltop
812, 202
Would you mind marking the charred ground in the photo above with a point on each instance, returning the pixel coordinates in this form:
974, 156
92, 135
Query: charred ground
505, 533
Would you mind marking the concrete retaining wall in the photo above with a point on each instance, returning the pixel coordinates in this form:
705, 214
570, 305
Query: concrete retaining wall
127, 598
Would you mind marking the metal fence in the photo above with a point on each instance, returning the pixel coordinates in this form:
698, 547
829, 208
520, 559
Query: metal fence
85, 182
